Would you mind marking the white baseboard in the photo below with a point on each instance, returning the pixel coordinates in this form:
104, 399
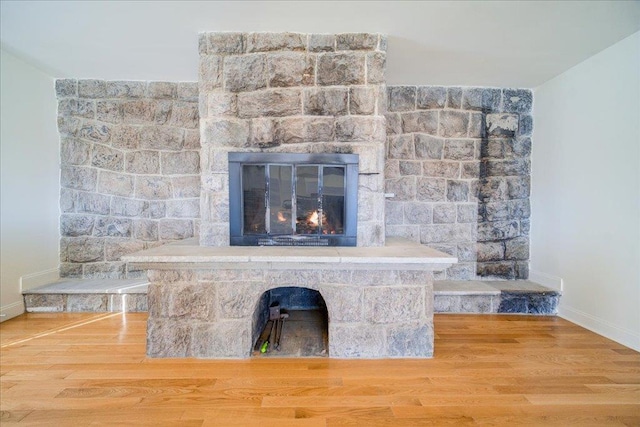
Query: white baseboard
33, 280
11, 310
553, 282
600, 326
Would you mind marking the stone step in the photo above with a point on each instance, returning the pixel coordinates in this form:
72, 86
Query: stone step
88, 295
508, 297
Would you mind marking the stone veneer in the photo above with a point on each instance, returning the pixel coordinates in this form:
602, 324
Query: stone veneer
293, 93
130, 173
458, 161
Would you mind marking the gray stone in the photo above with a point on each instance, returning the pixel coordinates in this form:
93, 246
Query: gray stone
105, 270
180, 163
84, 249
420, 121
70, 270
76, 225
403, 188
69, 126
161, 138
146, 230
393, 304
519, 147
484, 99
68, 200
112, 227
168, 339
467, 213
93, 203
470, 170
519, 209
371, 234
175, 229
95, 132
214, 207
376, 67
418, 213
115, 183
460, 149
517, 249
121, 206
394, 212
92, 88
499, 270
109, 111
222, 104
290, 69
163, 112
66, 88
228, 132
394, 123
74, 151
467, 252
138, 112
300, 129
453, 124
104, 157
230, 339
517, 167
325, 101
517, 100
340, 69
153, 187
431, 97
262, 132
525, 125
356, 41
264, 42
457, 191
162, 90
444, 214
227, 43
441, 169
143, 162
245, 72
362, 100
236, 300
125, 89
157, 209
192, 139
343, 301
185, 115
273, 102
477, 125
410, 168
126, 137
502, 124
497, 230
518, 187
454, 97
86, 303
210, 72
493, 189
490, 251
360, 341
410, 232
322, 42
446, 233
183, 208
361, 129
410, 340
401, 98
400, 147
430, 189
428, 147
188, 91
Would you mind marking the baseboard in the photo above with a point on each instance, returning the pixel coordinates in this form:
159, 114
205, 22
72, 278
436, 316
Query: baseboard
11, 310
600, 326
553, 282
33, 280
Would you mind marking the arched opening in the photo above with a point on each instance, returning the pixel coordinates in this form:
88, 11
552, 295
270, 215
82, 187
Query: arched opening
290, 322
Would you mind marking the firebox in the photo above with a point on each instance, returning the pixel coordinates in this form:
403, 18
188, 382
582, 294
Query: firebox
287, 199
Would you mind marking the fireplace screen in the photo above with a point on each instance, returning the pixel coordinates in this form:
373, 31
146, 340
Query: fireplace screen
293, 199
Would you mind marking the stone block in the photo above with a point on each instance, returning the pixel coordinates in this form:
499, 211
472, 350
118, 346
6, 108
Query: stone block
394, 123
180, 163
68, 200
93, 203
157, 209
153, 187
362, 100
69, 126
410, 340
44, 303
401, 98
454, 97
393, 304
215, 183
112, 227
376, 67
214, 207
92, 303
430, 189
214, 160
184, 115
460, 149
186, 186
410, 168
142, 162
517, 249
126, 137
109, 111
392, 169
371, 234
290, 69
483, 99
441, 169
183, 208
225, 43
82, 249
356, 341
400, 147
212, 234
420, 121
66, 88
325, 101
446, 233
490, 251
175, 229
210, 73
236, 300
340, 69
501, 125
394, 212
229, 339
477, 125
125, 89
497, 230
519, 147
104, 157
457, 191
493, 189
525, 125
428, 147
403, 188
272, 102
145, 229
245, 72
138, 112
410, 232
431, 97
516, 167
467, 213
74, 151
518, 187
322, 42
453, 124
95, 132
361, 129
161, 138
163, 112
343, 301
467, 252
517, 100
192, 139
356, 41
187, 91
166, 338
162, 90
230, 132
115, 183
190, 301
470, 170
76, 225
418, 213
497, 270
121, 206
519, 209
104, 270
92, 88
444, 214
265, 42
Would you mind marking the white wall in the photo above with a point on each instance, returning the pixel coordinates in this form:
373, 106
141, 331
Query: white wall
586, 190
29, 181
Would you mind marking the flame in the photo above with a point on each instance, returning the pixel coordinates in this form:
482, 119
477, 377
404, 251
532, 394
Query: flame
281, 217
313, 218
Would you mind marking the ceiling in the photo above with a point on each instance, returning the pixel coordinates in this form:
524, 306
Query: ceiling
469, 43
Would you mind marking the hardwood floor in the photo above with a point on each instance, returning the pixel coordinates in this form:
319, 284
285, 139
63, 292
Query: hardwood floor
91, 369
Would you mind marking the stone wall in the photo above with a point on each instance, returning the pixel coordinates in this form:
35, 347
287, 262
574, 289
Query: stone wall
458, 164
295, 93
130, 166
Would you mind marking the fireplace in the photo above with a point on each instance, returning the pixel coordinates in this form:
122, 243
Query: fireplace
286, 199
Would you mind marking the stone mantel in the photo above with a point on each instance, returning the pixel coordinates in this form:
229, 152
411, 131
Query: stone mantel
398, 253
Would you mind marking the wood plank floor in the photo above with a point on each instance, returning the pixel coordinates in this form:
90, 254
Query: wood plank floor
91, 369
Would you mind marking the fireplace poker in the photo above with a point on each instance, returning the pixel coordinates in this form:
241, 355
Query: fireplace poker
280, 324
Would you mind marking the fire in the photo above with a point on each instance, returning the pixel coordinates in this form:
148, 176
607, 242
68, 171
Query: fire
313, 218
281, 217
